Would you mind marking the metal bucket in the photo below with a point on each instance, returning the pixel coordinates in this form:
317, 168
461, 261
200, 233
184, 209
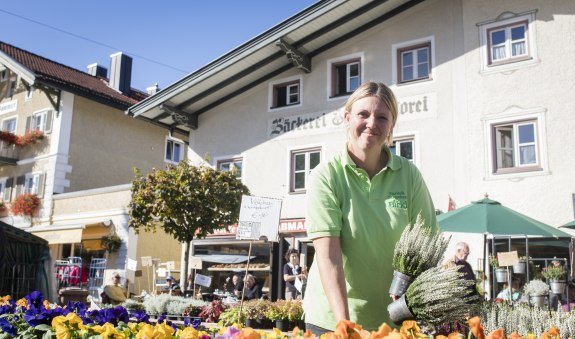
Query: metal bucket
399, 283
501, 275
399, 311
557, 287
519, 268
537, 300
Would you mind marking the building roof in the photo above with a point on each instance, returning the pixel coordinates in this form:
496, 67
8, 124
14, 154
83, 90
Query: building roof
54, 74
308, 33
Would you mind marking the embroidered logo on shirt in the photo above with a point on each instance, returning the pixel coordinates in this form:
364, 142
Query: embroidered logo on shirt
397, 200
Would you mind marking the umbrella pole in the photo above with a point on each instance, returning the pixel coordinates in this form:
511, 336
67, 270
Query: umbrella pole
484, 277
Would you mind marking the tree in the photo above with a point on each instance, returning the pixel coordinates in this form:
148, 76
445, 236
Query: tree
185, 201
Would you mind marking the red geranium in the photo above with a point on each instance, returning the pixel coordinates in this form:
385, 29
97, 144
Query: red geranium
25, 204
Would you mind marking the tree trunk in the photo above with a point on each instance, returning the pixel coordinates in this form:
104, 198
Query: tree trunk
184, 276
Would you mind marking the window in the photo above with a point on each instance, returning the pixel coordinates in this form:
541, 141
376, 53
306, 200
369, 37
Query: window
234, 165
29, 92
12, 86
516, 147
414, 63
302, 162
508, 42
33, 183
174, 151
41, 120
403, 148
345, 77
9, 125
286, 94
3, 75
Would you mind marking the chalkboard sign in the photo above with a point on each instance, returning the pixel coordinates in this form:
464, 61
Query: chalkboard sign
259, 218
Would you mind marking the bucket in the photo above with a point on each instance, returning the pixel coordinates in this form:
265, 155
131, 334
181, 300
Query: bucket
399, 311
501, 275
399, 283
537, 300
519, 268
557, 287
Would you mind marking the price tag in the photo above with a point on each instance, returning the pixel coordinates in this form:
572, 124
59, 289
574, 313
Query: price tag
203, 280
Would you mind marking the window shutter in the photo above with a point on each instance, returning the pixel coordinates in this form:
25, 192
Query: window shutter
41, 181
20, 185
28, 123
48, 127
8, 189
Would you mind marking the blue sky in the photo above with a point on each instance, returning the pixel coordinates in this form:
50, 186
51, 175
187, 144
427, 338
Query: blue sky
183, 34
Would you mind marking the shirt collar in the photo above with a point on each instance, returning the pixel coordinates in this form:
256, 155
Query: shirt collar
394, 162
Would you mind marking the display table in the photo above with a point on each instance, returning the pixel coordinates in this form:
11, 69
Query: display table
72, 294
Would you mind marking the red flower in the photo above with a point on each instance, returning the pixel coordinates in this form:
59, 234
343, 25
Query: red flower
25, 204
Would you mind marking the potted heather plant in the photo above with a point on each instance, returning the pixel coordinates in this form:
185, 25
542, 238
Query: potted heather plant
419, 248
555, 275
437, 296
500, 272
537, 290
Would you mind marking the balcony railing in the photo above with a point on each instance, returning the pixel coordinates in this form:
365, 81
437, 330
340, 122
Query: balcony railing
9, 154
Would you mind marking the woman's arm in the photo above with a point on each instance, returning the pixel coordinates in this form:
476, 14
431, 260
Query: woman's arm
330, 265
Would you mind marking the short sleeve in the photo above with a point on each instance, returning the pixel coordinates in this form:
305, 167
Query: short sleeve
421, 200
324, 215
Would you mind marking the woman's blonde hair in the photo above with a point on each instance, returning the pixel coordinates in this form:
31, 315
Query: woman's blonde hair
381, 91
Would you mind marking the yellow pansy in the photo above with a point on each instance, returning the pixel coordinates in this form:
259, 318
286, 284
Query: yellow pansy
187, 333
163, 331
146, 331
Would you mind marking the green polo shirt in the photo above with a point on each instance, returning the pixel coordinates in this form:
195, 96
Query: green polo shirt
368, 217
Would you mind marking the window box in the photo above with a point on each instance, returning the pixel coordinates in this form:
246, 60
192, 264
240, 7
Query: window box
301, 164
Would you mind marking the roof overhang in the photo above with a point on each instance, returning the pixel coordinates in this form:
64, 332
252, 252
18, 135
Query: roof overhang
23, 72
290, 44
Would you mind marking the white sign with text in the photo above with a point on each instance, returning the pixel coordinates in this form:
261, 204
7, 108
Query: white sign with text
259, 218
203, 280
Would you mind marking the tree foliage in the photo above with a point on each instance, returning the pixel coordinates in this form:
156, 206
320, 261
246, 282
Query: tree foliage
186, 201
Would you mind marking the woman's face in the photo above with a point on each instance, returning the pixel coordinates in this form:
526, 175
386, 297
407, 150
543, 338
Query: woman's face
370, 122
294, 258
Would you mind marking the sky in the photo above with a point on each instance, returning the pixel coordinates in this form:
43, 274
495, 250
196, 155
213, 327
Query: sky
166, 39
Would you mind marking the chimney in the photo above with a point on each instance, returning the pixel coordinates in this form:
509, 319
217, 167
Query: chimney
153, 89
120, 72
97, 70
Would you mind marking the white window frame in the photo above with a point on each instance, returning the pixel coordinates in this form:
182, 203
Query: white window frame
3, 182
173, 141
43, 114
271, 93
396, 64
34, 180
219, 161
404, 139
506, 21
516, 147
515, 116
15, 118
343, 59
291, 161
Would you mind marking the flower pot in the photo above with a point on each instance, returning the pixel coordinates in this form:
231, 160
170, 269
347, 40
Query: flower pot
519, 268
399, 283
399, 311
282, 325
557, 287
254, 323
537, 300
501, 275
300, 324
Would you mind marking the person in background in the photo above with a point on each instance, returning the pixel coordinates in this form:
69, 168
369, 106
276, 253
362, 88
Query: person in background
358, 204
515, 291
115, 293
292, 272
460, 259
172, 286
252, 289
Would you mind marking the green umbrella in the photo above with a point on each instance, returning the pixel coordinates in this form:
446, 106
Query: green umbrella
489, 216
570, 224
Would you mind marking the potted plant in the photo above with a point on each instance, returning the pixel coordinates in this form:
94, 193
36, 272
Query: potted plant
555, 275
26, 204
519, 268
254, 312
537, 291
419, 248
211, 312
231, 316
285, 313
439, 295
111, 243
500, 272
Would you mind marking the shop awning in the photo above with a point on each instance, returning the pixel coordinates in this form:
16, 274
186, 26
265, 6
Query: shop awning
224, 258
61, 236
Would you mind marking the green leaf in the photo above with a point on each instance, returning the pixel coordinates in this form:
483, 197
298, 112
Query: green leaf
43, 327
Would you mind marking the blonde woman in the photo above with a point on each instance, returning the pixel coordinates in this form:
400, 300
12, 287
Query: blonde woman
358, 204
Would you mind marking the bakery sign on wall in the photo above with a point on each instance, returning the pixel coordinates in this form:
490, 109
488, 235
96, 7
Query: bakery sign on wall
414, 107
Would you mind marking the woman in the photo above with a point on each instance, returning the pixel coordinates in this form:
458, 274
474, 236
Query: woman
292, 272
358, 204
252, 289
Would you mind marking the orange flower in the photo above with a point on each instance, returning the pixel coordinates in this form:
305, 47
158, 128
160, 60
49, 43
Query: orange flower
514, 335
248, 333
440, 337
454, 335
22, 302
476, 328
497, 334
297, 333
382, 331
346, 329
553, 333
